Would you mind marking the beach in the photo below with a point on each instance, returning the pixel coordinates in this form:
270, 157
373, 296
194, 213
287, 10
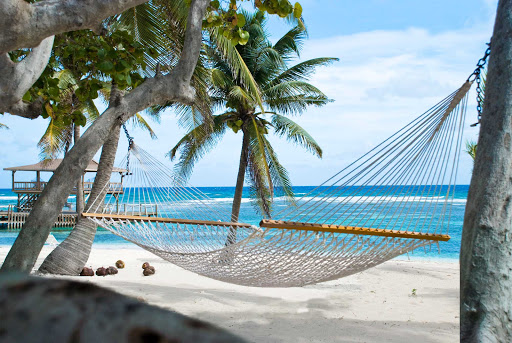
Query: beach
398, 301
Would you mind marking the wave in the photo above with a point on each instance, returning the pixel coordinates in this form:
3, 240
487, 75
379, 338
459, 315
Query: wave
8, 197
333, 200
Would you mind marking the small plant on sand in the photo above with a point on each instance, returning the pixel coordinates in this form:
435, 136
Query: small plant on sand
413, 292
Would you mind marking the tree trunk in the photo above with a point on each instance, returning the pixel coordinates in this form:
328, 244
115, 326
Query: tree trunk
70, 256
486, 263
237, 199
36, 310
80, 184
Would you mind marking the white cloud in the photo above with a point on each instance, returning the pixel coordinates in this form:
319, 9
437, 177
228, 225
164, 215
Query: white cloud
384, 79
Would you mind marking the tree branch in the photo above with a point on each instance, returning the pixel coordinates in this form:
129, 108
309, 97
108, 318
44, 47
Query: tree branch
17, 78
30, 23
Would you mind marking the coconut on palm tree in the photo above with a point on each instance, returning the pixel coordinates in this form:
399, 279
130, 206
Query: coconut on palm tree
258, 90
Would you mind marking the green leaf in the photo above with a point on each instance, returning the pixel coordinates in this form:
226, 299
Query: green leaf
53, 91
240, 20
105, 66
27, 97
297, 10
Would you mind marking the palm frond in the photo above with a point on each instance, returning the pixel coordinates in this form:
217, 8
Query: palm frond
261, 190
237, 64
138, 120
147, 23
280, 178
293, 132
302, 71
54, 139
220, 79
291, 42
90, 109
471, 149
296, 104
256, 144
238, 93
195, 144
189, 117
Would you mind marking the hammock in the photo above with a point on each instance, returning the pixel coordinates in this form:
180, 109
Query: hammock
392, 200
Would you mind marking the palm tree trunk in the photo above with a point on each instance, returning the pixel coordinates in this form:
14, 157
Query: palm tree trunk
237, 199
485, 263
80, 185
72, 254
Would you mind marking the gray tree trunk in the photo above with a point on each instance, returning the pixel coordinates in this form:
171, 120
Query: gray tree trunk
43, 310
237, 199
29, 23
486, 253
160, 89
70, 256
79, 185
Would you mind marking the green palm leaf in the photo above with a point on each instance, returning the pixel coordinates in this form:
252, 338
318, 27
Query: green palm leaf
257, 145
238, 65
258, 173
293, 132
296, 104
302, 71
196, 144
138, 120
278, 172
54, 139
291, 42
471, 149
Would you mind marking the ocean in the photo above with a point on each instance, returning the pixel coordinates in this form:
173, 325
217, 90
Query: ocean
223, 196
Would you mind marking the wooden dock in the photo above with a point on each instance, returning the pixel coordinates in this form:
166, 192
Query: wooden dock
15, 220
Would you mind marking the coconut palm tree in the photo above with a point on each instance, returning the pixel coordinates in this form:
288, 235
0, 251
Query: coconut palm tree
257, 90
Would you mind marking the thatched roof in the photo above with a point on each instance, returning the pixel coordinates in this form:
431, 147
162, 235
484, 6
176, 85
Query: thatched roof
51, 165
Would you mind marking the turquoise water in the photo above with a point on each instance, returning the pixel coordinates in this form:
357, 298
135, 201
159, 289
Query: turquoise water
223, 196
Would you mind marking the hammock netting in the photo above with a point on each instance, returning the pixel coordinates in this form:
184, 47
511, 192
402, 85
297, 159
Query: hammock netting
392, 200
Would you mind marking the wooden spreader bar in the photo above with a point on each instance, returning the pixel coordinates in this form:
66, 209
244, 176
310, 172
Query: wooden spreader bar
164, 220
279, 224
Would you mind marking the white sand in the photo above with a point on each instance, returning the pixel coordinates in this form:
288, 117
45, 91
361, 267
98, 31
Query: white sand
373, 306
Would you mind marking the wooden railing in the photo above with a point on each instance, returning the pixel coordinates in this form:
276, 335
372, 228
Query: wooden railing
34, 186
30, 186
113, 187
132, 209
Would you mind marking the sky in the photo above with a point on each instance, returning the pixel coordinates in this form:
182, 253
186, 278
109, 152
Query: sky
397, 59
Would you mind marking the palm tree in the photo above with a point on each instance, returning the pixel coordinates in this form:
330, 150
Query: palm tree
153, 25
257, 89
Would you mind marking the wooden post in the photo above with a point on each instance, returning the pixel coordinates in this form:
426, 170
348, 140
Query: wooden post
80, 196
13, 172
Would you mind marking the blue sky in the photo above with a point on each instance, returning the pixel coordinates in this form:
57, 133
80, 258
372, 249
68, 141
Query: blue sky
397, 59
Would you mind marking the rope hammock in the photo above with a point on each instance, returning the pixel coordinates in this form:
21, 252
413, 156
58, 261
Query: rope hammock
392, 200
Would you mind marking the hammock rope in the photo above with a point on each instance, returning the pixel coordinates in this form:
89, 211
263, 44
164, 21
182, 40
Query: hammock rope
394, 199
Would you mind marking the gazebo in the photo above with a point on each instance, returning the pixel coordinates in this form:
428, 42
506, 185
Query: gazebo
28, 191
